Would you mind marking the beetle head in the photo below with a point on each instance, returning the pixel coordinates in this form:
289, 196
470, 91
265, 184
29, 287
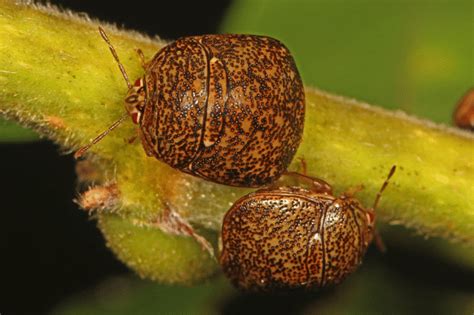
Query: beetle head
135, 100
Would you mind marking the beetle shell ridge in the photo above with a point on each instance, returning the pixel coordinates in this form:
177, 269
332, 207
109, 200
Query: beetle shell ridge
290, 238
227, 108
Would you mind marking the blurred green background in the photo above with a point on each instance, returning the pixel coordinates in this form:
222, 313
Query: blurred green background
411, 55
416, 56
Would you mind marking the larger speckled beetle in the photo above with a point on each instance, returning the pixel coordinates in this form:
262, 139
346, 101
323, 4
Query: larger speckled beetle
227, 108
291, 237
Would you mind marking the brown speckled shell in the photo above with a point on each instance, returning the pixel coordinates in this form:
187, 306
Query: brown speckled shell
291, 238
227, 108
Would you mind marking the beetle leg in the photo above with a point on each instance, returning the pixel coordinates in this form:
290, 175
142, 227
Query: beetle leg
317, 185
134, 138
370, 213
304, 166
321, 186
353, 190
141, 56
172, 223
379, 242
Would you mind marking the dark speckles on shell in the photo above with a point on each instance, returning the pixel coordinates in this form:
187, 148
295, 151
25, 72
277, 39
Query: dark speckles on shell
289, 238
228, 108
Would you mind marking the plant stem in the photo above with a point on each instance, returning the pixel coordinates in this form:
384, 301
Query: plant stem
57, 76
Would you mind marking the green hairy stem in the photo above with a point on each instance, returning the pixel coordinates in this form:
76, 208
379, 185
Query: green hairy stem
57, 76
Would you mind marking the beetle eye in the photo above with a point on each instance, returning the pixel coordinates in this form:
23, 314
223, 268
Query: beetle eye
131, 99
138, 82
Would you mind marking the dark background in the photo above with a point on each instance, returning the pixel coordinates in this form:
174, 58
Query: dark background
49, 248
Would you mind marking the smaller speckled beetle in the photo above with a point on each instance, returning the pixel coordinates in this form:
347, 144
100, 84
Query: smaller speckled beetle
285, 238
464, 113
228, 108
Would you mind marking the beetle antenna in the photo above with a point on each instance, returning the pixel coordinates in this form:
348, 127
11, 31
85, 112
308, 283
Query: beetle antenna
82, 150
385, 183
114, 53
377, 238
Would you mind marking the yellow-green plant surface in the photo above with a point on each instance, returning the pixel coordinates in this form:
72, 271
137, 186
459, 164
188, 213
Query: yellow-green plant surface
57, 76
